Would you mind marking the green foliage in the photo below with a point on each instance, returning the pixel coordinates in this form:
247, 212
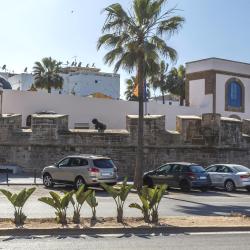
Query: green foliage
77, 201
136, 41
175, 83
150, 198
158, 79
60, 204
46, 74
129, 93
92, 202
119, 195
18, 200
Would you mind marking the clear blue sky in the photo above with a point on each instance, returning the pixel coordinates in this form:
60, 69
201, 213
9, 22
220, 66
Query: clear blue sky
33, 29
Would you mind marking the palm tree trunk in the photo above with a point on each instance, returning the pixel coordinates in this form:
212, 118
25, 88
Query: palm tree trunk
163, 97
182, 100
139, 155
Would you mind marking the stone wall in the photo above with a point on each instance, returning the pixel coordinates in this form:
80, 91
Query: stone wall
205, 140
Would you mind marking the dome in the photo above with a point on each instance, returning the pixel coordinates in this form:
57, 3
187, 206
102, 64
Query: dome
4, 83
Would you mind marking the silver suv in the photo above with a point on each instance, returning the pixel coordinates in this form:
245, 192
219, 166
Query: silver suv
81, 169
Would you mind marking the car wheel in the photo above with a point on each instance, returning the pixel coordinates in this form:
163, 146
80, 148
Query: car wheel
47, 180
79, 181
148, 182
229, 186
185, 186
248, 189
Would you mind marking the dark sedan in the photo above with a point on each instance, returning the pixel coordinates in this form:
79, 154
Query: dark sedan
181, 175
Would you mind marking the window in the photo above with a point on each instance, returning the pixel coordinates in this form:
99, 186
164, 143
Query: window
77, 162
197, 169
239, 168
163, 169
234, 95
177, 168
64, 162
104, 163
223, 169
212, 169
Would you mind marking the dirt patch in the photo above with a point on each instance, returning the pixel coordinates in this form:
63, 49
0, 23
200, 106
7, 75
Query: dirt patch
197, 221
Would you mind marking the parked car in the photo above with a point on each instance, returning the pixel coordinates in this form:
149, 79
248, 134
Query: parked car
229, 176
179, 175
81, 169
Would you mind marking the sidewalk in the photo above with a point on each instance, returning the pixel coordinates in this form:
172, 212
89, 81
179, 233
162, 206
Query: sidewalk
20, 179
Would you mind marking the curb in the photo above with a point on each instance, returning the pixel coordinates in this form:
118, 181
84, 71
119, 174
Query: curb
95, 231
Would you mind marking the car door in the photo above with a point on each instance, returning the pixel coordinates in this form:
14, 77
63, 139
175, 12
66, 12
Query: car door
174, 175
63, 170
212, 171
160, 175
78, 167
223, 173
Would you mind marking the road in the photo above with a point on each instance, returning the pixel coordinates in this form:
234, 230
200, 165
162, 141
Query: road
224, 241
173, 204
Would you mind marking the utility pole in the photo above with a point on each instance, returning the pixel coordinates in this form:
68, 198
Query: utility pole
1, 99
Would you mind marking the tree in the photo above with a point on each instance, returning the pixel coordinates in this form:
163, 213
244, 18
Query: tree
176, 82
159, 79
129, 93
136, 42
46, 74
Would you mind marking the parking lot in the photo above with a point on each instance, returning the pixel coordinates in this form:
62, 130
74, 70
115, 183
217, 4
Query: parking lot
175, 203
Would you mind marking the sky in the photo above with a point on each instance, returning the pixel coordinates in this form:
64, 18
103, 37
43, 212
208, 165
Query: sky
69, 29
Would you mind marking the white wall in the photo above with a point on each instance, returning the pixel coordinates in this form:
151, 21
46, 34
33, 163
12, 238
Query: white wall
21, 81
197, 97
80, 109
81, 83
220, 96
217, 64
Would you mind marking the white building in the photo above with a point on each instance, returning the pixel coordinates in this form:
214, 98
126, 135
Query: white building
212, 85
78, 81
222, 86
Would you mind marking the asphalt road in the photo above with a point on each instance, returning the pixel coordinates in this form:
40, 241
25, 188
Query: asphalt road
173, 204
223, 241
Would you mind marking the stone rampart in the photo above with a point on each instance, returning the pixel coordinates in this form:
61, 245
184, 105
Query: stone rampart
205, 140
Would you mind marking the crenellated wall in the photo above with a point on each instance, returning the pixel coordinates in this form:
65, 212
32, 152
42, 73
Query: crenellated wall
205, 140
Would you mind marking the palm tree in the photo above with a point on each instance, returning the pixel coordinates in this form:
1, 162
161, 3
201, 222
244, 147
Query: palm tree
129, 93
176, 82
159, 79
46, 74
136, 42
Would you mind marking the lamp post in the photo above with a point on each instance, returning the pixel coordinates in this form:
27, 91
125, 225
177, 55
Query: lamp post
1, 99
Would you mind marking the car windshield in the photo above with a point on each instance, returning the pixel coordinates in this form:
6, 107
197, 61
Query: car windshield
104, 163
197, 169
239, 168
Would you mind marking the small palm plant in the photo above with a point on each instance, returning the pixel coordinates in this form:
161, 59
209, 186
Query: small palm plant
119, 195
18, 200
92, 202
60, 204
150, 198
145, 205
80, 198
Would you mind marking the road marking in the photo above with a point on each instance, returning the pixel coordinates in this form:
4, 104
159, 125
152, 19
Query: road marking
83, 236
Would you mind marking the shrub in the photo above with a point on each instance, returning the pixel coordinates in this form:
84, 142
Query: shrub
92, 202
119, 195
60, 204
18, 200
80, 197
150, 198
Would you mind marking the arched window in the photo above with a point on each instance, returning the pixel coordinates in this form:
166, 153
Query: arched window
234, 95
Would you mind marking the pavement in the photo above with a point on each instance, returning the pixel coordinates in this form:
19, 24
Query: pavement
175, 203
20, 179
192, 241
